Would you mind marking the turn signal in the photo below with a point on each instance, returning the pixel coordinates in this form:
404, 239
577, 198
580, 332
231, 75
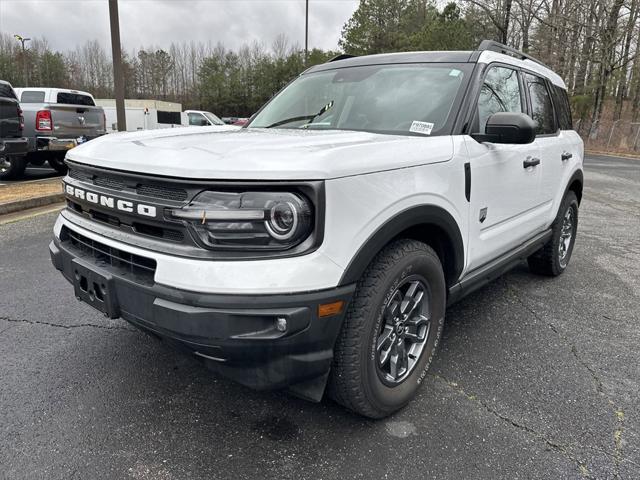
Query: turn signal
329, 309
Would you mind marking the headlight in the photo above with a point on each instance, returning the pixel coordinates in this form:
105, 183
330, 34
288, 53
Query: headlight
247, 220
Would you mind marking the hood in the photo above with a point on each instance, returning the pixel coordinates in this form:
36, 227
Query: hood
259, 154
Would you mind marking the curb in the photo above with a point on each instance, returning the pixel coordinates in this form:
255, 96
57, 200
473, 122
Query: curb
612, 154
12, 207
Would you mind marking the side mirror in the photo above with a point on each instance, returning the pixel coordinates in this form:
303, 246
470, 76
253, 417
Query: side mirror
508, 127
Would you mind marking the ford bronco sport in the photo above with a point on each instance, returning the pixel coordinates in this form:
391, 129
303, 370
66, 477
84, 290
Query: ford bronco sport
319, 247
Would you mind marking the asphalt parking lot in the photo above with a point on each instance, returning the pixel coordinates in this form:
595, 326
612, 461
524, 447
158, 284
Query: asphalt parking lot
535, 378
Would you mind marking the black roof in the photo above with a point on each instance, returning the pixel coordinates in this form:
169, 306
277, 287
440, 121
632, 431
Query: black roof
423, 57
403, 57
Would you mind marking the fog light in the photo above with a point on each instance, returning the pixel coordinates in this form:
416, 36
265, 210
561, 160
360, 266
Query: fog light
281, 324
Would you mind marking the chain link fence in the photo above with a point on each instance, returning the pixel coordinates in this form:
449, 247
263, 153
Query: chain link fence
619, 136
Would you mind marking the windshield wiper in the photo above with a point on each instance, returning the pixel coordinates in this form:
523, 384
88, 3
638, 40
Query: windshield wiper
305, 117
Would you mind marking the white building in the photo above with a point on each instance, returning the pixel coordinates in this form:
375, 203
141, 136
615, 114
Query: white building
144, 114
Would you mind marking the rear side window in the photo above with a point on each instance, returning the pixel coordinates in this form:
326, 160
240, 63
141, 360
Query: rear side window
6, 91
169, 117
563, 109
32, 96
74, 99
541, 106
500, 93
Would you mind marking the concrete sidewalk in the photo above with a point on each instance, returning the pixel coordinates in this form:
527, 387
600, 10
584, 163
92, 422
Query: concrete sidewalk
25, 195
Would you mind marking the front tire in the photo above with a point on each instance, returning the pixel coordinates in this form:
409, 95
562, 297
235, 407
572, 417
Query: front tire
12, 167
391, 330
553, 258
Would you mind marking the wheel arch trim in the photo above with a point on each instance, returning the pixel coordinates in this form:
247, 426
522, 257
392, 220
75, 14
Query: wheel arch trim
420, 215
578, 177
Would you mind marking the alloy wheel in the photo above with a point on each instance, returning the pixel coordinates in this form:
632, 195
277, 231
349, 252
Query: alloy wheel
404, 332
566, 234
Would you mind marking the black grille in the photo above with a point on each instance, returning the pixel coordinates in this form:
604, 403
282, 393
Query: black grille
160, 191
114, 183
159, 232
109, 183
174, 235
105, 218
80, 175
107, 257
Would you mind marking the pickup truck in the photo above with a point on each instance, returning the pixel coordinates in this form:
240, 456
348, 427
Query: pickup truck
13, 145
57, 120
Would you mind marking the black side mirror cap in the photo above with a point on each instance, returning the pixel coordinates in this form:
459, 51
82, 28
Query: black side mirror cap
508, 127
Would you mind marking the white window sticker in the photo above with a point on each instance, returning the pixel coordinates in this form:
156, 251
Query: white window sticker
454, 73
421, 127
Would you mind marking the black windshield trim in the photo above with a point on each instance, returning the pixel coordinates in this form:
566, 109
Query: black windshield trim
397, 133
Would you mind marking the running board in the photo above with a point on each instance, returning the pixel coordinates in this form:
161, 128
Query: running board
488, 272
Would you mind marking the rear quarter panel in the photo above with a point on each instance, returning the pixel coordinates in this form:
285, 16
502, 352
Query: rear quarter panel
572, 143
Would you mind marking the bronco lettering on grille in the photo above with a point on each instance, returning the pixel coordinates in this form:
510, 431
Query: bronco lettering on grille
110, 202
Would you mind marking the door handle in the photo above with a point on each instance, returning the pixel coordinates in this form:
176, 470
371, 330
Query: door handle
566, 156
531, 162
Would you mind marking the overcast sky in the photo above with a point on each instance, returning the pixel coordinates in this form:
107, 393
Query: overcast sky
68, 23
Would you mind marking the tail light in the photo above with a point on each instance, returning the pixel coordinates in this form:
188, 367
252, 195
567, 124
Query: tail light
21, 117
43, 120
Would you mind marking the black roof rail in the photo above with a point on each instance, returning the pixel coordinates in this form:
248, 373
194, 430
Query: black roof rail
494, 46
342, 56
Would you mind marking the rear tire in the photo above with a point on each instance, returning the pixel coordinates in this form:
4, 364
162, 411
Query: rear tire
57, 163
12, 167
391, 330
553, 258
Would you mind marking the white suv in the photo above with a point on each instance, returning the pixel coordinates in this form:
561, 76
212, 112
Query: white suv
320, 246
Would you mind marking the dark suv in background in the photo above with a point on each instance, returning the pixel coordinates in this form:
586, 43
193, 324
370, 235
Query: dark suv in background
13, 146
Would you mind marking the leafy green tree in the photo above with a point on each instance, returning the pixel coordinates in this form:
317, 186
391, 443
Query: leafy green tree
317, 56
10, 69
52, 69
400, 25
447, 30
375, 27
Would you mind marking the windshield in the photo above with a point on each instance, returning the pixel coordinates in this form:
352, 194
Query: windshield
401, 99
213, 119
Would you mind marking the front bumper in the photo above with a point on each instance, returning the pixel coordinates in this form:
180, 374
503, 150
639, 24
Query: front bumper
13, 146
235, 335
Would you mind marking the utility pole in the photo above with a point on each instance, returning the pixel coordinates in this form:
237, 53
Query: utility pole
118, 74
306, 34
23, 40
